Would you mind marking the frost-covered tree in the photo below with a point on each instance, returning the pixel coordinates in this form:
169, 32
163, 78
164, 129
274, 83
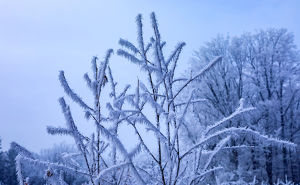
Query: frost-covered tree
275, 63
180, 155
262, 68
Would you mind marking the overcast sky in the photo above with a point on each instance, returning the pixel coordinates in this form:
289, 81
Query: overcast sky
39, 38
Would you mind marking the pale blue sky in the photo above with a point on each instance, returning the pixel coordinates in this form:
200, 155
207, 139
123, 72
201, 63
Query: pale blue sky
39, 38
